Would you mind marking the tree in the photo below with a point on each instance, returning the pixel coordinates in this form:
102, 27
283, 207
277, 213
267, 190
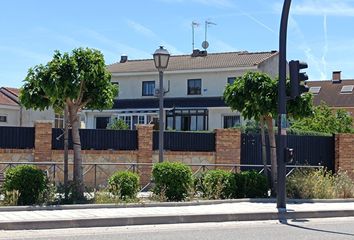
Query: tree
255, 96
118, 124
325, 120
78, 80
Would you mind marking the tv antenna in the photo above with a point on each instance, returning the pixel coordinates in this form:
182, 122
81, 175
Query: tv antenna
205, 44
194, 25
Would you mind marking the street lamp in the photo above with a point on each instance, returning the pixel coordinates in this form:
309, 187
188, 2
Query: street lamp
161, 58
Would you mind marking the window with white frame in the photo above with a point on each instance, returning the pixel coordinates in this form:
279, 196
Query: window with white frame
59, 120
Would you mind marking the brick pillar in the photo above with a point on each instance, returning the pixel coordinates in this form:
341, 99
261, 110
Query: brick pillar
227, 146
344, 153
145, 133
43, 141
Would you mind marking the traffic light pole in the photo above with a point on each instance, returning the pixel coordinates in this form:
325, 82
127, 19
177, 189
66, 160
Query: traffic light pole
282, 122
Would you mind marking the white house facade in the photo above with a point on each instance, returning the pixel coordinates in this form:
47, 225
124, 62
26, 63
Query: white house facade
13, 114
194, 85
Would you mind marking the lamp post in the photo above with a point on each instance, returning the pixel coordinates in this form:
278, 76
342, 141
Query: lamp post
161, 58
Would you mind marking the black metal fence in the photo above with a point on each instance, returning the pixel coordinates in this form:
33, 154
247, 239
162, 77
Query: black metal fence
186, 141
17, 137
309, 150
98, 139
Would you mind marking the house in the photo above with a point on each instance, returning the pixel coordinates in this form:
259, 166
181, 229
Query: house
194, 85
337, 93
12, 113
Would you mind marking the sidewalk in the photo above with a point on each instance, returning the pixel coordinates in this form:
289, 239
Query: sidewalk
16, 218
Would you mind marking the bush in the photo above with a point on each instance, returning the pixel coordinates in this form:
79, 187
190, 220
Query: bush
218, 184
250, 184
124, 184
29, 181
320, 184
174, 180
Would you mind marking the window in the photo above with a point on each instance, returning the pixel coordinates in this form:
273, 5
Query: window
231, 80
102, 122
194, 86
347, 89
231, 121
116, 84
148, 88
3, 119
187, 120
59, 121
315, 90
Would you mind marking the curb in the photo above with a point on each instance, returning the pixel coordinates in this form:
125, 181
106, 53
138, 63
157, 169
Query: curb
174, 219
166, 204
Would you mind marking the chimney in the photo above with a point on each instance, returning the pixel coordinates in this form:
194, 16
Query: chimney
336, 77
123, 58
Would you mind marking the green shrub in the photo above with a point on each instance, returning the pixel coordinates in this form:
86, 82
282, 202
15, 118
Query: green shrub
174, 180
310, 183
320, 184
30, 182
218, 184
343, 185
250, 184
124, 184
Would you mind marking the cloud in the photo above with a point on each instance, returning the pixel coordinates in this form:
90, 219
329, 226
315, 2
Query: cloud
148, 33
344, 8
211, 3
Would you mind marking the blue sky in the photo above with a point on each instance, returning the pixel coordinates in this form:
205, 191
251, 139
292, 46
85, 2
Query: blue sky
320, 31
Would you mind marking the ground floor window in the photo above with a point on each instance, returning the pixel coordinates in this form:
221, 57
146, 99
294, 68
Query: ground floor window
59, 121
132, 120
231, 121
187, 119
3, 118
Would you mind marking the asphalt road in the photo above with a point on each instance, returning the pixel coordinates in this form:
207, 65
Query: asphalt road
332, 228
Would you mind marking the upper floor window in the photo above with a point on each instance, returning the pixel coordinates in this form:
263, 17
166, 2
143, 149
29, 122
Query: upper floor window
231, 80
3, 118
148, 88
194, 86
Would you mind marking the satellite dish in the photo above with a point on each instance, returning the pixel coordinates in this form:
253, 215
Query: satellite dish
205, 44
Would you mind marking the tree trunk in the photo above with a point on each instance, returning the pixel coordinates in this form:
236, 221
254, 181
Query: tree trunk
66, 152
273, 151
78, 172
264, 149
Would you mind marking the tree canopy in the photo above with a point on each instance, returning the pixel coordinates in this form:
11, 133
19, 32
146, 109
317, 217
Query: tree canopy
325, 120
77, 80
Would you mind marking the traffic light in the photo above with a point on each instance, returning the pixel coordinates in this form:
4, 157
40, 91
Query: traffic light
297, 78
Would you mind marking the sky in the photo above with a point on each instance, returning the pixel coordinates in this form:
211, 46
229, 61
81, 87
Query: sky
320, 32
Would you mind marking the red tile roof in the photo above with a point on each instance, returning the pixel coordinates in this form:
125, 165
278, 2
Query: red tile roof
330, 93
187, 62
9, 96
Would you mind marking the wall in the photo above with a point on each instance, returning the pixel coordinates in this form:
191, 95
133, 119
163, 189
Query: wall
30, 116
344, 153
12, 113
216, 119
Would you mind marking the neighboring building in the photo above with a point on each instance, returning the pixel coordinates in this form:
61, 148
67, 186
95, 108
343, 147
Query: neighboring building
13, 114
194, 84
336, 93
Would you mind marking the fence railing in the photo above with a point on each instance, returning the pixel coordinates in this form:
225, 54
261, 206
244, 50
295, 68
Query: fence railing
17, 137
96, 174
186, 141
98, 139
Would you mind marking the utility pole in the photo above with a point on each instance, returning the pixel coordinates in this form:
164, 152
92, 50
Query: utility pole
282, 121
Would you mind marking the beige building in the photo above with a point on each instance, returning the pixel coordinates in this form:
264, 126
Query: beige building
194, 85
13, 114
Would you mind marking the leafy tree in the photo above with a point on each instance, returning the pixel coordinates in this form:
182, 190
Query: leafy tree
255, 96
118, 124
78, 80
325, 120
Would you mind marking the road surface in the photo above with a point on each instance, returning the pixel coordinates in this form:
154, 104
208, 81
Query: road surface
331, 228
